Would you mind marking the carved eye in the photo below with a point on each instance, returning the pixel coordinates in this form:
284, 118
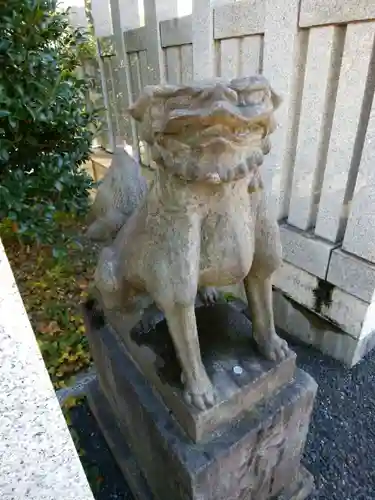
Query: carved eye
256, 97
251, 97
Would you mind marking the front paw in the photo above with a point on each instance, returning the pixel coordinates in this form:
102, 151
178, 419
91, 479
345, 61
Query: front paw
273, 347
199, 392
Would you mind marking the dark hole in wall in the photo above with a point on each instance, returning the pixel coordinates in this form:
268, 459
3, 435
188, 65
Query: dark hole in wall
323, 295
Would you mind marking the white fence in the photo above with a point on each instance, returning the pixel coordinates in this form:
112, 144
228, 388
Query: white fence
319, 55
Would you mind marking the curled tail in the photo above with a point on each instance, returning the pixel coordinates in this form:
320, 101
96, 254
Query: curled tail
119, 195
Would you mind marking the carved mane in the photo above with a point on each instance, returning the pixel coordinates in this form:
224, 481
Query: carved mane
214, 130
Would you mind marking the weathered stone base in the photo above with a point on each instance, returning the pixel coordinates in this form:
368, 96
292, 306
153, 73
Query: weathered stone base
256, 456
240, 375
299, 490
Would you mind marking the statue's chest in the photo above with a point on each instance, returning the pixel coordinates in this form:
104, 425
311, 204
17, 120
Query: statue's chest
227, 239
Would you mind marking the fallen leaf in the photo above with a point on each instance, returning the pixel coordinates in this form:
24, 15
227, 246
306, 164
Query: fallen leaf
49, 328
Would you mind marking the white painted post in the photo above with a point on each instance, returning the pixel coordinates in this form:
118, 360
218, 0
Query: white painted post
168, 9
77, 14
123, 69
283, 56
173, 64
129, 14
229, 58
109, 133
156, 11
100, 19
101, 14
203, 40
251, 48
318, 101
38, 459
129, 19
186, 63
360, 231
155, 58
347, 131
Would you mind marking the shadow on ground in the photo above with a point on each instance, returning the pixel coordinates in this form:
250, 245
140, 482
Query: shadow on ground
340, 447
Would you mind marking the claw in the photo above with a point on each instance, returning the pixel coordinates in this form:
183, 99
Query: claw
200, 401
209, 295
274, 348
199, 394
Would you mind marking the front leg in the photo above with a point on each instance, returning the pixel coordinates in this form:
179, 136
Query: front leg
259, 295
172, 283
258, 284
183, 330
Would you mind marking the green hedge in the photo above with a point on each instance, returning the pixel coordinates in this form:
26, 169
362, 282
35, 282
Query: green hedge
46, 128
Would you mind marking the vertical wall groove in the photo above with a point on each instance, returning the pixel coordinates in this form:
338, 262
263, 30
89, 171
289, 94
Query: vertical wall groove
250, 54
109, 143
292, 124
217, 55
261, 54
331, 93
180, 72
142, 56
165, 63
240, 62
186, 63
351, 114
134, 81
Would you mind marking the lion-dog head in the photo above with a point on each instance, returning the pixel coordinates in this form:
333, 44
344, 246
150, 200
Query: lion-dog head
215, 131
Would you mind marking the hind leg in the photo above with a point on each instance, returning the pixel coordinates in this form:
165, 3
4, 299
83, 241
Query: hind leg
258, 285
208, 295
152, 314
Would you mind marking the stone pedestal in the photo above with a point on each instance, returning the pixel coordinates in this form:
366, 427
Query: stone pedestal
247, 447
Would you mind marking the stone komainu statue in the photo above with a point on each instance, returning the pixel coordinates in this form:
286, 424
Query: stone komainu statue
204, 221
118, 196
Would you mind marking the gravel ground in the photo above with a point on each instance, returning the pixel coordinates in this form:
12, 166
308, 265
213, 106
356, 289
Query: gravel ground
341, 443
